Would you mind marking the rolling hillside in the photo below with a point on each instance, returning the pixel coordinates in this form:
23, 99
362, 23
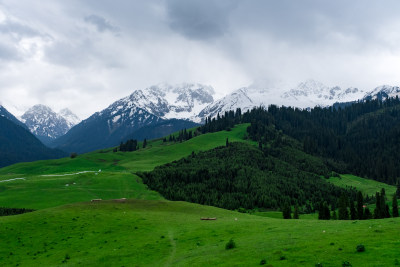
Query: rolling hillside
146, 230
116, 179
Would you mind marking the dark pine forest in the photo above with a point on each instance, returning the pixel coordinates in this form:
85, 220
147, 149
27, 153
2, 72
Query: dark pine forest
362, 139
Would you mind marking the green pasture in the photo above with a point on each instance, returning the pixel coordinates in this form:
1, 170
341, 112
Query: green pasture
164, 233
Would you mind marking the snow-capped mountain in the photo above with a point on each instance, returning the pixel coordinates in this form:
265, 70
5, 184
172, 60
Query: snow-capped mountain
306, 94
143, 108
314, 92
241, 98
183, 101
46, 124
383, 92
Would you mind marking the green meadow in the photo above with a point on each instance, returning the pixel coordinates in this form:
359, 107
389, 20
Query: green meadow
145, 230
56, 182
165, 233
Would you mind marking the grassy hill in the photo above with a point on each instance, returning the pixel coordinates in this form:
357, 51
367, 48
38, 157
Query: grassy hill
56, 182
146, 230
164, 233
366, 186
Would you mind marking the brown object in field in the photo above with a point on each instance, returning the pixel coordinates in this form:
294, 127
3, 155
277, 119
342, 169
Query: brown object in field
96, 200
120, 200
208, 219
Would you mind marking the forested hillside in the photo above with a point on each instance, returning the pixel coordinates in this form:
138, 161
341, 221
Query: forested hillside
240, 175
362, 139
17, 144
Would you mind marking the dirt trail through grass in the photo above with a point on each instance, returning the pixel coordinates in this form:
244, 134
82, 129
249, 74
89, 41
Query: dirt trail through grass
173, 248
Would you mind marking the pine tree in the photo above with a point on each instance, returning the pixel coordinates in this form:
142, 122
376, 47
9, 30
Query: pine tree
378, 211
353, 214
227, 142
367, 214
334, 215
296, 212
286, 211
343, 212
395, 207
321, 213
360, 209
398, 188
387, 211
327, 213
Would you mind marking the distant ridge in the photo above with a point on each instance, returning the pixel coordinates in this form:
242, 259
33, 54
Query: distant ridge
17, 144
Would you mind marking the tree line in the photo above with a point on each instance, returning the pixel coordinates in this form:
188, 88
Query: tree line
350, 209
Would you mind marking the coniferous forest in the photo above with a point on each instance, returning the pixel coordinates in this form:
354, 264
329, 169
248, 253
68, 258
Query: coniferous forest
240, 175
362, 139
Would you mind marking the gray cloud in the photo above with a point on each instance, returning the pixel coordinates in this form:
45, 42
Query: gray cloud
73, 50
101, 23
8, 53
199, 19
18, 30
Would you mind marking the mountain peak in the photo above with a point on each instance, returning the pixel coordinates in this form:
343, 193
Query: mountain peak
46, 124
181, 101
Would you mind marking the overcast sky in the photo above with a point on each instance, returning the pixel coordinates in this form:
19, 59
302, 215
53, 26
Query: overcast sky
85, 54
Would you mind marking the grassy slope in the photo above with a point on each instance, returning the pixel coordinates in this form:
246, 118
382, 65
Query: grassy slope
114, 181
159, 232
164, 233
367, 186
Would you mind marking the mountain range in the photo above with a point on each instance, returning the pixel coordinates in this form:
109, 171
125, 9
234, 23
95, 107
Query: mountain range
161, 109
158, 108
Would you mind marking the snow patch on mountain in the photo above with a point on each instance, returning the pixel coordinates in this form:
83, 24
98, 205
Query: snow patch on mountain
313, 93
305, 95
383, 92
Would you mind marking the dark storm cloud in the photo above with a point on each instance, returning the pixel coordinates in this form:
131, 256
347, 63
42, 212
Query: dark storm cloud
199, 19
101, 23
